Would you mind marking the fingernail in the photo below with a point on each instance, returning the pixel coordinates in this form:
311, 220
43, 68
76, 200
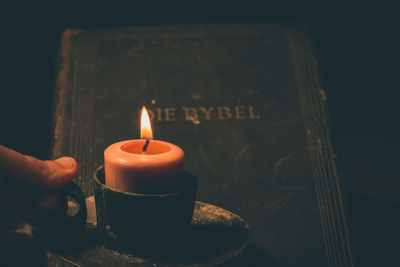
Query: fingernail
66, 162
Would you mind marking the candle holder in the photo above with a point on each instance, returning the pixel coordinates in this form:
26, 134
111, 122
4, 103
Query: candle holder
152, 230
143, 224
216, 236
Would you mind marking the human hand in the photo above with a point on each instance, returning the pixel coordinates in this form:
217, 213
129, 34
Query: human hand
26, 184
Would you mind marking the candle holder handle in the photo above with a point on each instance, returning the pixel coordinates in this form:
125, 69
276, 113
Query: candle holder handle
61, 230
73, 191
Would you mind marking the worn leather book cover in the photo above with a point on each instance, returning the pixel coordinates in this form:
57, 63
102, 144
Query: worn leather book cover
245, 104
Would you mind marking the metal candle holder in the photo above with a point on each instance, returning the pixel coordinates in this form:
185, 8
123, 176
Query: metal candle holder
143, 224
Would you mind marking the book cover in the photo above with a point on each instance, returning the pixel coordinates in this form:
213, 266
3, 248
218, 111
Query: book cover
243, 101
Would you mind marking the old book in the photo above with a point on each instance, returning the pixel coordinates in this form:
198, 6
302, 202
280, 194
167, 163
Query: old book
243, 101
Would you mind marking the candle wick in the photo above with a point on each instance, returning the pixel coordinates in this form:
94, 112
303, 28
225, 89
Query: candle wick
146, 145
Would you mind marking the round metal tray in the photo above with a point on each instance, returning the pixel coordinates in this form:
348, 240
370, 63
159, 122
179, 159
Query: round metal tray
216, 236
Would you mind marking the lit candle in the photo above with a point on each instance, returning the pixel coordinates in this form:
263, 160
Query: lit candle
144, 165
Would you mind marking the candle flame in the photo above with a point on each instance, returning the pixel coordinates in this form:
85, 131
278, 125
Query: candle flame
145, 126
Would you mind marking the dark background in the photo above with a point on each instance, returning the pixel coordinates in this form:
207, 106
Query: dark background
358, 51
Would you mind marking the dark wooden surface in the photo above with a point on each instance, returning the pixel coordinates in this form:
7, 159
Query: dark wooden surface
358, 55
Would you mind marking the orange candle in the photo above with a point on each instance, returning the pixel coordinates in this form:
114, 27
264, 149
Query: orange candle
144, 165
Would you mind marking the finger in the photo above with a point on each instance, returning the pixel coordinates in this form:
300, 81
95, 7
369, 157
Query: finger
47, 174
49, 209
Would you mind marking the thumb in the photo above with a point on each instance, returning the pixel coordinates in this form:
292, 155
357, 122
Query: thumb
60, 172
49, 174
